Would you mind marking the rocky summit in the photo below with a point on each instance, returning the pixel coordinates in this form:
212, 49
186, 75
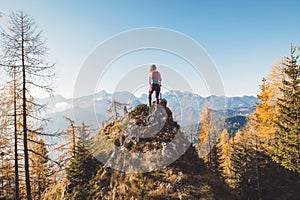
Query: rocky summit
148, 157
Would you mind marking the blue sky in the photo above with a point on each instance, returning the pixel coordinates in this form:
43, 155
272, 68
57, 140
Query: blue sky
243, 38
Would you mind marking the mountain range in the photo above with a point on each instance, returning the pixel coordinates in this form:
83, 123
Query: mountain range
186, 106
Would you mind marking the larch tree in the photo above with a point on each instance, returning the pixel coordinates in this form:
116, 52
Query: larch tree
8, 175
7, 184
211, 124
265, 114
25, 53
204, 145
224, 150
10, 107
67, 147
5, 152
274, 80
10, 100
40, 169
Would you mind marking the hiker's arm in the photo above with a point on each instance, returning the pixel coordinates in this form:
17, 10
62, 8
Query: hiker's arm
159, 78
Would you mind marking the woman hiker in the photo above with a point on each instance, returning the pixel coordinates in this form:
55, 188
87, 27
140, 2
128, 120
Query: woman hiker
155, 84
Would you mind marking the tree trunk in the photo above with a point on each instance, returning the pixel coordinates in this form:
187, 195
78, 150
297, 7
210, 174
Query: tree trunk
73, 138
26, 159
16, 139
257, 170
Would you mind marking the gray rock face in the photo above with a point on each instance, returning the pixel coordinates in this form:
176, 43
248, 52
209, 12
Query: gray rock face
149, 139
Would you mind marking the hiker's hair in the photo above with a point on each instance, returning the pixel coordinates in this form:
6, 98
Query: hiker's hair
153, 67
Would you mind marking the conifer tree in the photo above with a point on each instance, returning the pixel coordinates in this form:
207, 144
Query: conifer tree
66, 150
241, 165
82, 168
265, 114
237, 158
255, 155
24, 50
224, 149
10, 107
207, 137
286, 147
40, 169
5, 164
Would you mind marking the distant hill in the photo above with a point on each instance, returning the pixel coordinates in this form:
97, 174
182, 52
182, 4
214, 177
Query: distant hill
235, 123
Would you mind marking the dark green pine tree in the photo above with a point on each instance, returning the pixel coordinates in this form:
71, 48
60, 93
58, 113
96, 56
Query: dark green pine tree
239, 164
286, 147
253, 161
82, 168
245, 158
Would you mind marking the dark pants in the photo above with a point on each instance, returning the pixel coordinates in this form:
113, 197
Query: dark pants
156, 88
